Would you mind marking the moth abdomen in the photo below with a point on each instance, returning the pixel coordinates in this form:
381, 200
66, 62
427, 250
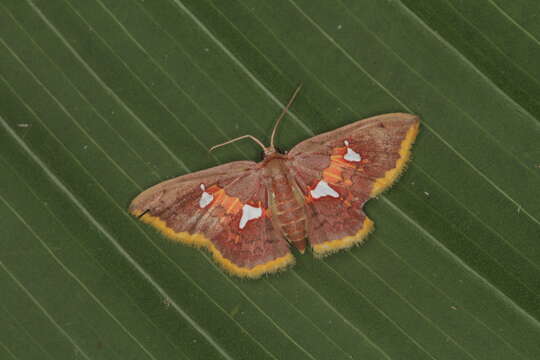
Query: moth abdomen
288, 209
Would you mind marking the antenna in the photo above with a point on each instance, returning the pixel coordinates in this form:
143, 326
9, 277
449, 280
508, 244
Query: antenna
285, 110
240, 138
271, 149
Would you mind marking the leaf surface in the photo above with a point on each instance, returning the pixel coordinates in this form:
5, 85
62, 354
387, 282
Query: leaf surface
103, 98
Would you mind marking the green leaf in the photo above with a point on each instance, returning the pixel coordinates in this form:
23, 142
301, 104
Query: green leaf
103, 98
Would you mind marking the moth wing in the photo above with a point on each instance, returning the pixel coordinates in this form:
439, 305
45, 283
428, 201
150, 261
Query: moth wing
223, 209
340, 170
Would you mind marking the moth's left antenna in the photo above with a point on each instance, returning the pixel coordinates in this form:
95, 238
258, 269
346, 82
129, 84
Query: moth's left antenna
240, 138
285, 110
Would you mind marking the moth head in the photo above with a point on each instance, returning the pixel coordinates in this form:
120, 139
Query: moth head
270, 150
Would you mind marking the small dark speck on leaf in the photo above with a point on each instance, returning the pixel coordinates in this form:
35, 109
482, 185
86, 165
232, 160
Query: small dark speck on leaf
166, 302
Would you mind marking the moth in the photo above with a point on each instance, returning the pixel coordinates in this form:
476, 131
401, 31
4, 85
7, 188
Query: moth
249, 215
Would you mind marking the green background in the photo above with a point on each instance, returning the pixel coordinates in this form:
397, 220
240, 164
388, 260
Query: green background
100, 99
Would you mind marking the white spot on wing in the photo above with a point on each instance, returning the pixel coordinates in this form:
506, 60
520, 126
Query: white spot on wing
206, 198
323, 189
352, 155
249, 213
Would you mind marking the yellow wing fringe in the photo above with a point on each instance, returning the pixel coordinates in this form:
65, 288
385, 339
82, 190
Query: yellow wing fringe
390, 176
200, 240
330, 247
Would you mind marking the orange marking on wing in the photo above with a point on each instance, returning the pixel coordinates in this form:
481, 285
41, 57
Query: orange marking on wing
331, 177
339, 151
231, 204
213, 189
226, 202
218, 194
334, 168
237, 207
332, 174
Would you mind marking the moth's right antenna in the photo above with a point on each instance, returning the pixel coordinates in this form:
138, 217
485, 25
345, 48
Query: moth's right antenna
285, 110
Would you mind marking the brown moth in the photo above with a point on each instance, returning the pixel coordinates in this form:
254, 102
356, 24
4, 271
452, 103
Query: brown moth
247, 214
